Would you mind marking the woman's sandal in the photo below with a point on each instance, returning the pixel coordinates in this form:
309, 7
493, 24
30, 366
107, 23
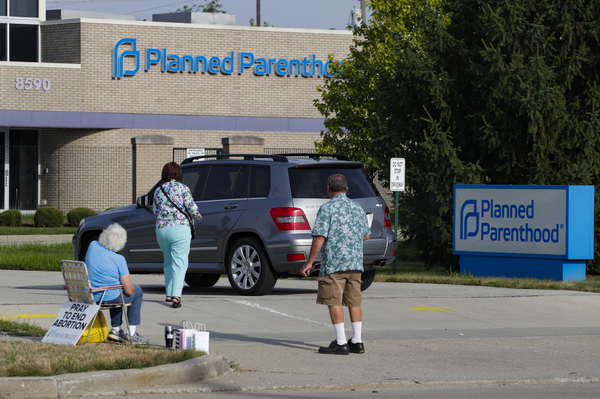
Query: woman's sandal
169, 299
176, 302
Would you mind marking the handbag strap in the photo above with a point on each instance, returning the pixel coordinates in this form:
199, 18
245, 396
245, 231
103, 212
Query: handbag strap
175, 205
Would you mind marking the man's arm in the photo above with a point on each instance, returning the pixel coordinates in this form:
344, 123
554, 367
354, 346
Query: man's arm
315, 248
126, 281
365, 238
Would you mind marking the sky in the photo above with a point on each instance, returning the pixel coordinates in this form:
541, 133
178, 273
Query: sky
305, 14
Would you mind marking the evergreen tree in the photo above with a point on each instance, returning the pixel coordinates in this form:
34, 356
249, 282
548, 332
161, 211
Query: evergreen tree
469, 92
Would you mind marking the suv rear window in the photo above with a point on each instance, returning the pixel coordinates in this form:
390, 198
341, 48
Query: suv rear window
312, 183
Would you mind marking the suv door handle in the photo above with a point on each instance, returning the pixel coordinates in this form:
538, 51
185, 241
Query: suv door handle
233, 205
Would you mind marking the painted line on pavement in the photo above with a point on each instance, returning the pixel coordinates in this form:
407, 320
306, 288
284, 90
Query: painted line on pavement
432, 308
28, 316
257, 306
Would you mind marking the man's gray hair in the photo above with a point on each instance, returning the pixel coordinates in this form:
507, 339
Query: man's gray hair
113, 237
337, 183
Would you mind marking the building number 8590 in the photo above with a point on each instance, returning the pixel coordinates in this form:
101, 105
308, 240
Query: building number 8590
32, 84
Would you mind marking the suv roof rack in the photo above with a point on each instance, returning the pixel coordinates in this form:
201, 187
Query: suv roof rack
246, 157
318, 157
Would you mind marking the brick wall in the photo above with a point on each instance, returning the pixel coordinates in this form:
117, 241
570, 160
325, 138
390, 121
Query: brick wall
61, 43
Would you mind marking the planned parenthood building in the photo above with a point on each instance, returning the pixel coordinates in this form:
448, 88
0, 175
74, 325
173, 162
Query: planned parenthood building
92, 108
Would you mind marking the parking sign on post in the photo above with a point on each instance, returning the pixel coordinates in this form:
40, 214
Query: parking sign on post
397, 174
397, 184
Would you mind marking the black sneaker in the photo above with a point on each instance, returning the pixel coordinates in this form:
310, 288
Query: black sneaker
356, 348
335, 349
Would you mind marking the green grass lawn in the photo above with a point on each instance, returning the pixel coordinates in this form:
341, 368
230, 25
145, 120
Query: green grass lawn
34, 256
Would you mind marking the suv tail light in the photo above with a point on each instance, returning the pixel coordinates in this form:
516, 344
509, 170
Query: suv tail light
289, 219
387, 221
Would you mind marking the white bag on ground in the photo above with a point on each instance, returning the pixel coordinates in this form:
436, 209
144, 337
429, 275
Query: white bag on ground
189, 336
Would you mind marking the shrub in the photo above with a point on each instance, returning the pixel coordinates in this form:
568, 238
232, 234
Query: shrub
48, 217
11, 218
75, 215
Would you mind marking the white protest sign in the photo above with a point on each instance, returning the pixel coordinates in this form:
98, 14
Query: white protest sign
71, 322
397, 167
195, 152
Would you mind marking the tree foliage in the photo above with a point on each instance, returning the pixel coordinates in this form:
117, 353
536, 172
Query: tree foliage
213, 6
469, 92
265, 24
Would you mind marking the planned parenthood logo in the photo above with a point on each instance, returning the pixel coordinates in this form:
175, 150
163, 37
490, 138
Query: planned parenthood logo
162, 59
464, 219
118, 69
510, 220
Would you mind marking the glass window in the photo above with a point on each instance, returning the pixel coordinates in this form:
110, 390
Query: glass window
195, 179
2, 8
23, 8
23, 166
221, 180
260, 181
3, 43
312, 183
241, 184
24, 43
23, 138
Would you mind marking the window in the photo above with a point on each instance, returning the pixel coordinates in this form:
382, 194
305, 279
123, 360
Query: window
24, 42
20, 175
241, 183
3, 52
22, 8
195, 179
220, 183
19, 30
312, 183
260, 181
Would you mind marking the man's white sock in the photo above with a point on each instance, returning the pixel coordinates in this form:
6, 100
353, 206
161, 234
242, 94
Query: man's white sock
131, 331
340, 333
357, 332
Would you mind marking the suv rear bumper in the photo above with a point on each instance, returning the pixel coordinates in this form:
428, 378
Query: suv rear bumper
378, 252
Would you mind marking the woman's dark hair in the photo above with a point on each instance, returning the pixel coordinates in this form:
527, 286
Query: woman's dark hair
172, 171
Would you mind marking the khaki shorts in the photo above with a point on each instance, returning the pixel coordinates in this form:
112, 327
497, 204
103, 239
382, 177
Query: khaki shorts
340, 289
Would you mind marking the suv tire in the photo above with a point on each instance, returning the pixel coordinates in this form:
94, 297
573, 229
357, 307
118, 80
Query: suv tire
199, 280
86, 245
248, 268
368, 277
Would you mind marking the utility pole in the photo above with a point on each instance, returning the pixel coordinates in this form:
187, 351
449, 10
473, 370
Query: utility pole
363, 10
258, 13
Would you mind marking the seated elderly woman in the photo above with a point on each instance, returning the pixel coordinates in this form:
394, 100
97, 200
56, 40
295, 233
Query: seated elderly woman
107, 268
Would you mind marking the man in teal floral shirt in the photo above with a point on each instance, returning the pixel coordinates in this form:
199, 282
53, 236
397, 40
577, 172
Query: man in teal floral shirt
338, 234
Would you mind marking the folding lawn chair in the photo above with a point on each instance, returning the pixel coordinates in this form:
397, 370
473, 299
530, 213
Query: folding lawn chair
77, 282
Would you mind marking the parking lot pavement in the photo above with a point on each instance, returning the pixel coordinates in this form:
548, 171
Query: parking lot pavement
413, 333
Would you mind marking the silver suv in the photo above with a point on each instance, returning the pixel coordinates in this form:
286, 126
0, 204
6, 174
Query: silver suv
257, 212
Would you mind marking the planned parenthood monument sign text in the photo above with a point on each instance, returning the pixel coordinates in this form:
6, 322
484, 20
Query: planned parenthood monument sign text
524, 231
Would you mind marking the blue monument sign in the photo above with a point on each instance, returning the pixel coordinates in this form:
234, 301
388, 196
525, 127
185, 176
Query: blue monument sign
544, 232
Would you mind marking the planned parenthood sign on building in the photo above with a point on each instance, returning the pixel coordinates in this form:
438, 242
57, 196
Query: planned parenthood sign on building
524, 231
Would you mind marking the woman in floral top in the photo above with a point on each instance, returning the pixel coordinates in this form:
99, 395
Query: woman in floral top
173, 228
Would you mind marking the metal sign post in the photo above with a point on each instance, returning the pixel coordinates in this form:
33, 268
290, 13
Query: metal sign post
397, 184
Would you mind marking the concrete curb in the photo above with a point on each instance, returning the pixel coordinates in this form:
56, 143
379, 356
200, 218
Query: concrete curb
114, 382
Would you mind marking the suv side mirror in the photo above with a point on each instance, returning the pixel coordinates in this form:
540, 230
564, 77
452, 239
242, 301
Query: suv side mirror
143, 201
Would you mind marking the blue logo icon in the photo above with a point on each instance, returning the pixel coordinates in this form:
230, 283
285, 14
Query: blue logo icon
464, 220
118, 71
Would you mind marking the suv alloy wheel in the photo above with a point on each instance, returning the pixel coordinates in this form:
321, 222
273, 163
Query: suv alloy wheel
248, 268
